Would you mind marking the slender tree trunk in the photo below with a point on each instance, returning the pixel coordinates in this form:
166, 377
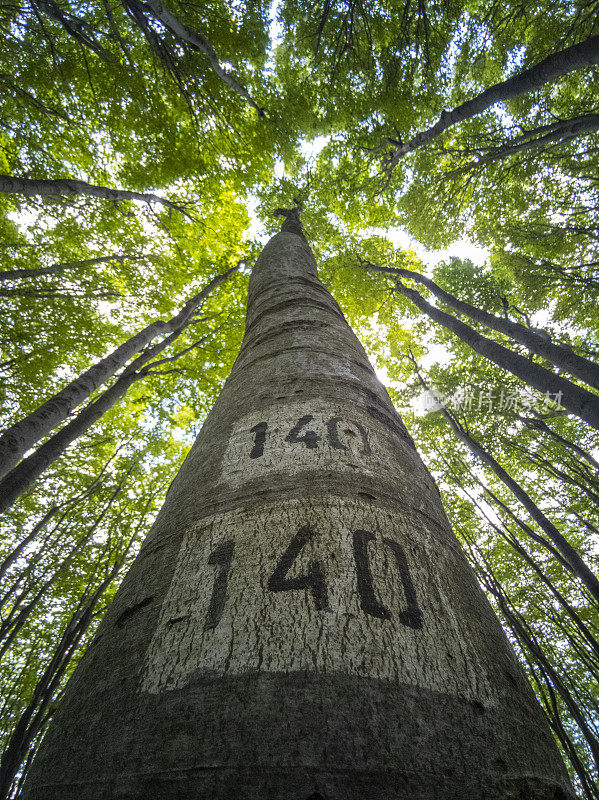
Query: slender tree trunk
570, 362
13, 274
23, 435
300, 622
540, 425
525, 635
19, 614
572, 397
582, 479
554, 714
51, 294
194, 40
512, 540
550, 69
64, 507
34, 716
14, 554
29, 469
570, 555
75, 27
62, 187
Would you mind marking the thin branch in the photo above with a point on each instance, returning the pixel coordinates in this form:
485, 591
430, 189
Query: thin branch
564, 132
13, 274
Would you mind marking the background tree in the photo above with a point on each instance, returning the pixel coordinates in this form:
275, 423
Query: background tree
109, 95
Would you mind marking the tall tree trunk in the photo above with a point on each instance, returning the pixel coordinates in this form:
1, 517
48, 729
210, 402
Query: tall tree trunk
556, 65
566, 359
34, 716
525, 634
195, 40
65, 187
572, 397
300, 622
569, 554
23, 435
508, 536
29, 469
540, 425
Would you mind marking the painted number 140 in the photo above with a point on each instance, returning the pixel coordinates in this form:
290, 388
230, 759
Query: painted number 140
314, 579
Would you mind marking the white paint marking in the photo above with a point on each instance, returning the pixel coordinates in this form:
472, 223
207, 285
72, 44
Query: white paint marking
282, 631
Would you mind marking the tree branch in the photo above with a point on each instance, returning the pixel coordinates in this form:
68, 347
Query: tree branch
550, 69
70, 186
196, 41
562, 131
581, 368
12, 274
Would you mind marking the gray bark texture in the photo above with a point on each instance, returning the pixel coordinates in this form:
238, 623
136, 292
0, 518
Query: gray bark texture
17, 439
579, 367
301, 622
578, 56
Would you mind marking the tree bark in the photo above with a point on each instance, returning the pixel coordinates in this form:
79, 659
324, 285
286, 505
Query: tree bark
61, 187
575, 399
300, 621
570, 555
16, 440
526, 636
540, 425
29, 469
75, 27
570, 362
197, 42
556, 65
13, 274
33, 718
506, 534
562, 132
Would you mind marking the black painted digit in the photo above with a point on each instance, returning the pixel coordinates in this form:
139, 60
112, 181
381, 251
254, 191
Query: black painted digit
259, 439
365, 451
412, 616
368, 600
337, 444
309, 438
314, 579
333, 434
222, 556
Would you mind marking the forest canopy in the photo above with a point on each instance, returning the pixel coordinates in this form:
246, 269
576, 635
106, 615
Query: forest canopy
446, 159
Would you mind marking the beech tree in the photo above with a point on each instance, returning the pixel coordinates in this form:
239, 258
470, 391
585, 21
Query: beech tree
292, 561
550, 69
19, 438
145, 148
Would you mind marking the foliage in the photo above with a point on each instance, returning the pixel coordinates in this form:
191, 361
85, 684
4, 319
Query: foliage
105, 93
